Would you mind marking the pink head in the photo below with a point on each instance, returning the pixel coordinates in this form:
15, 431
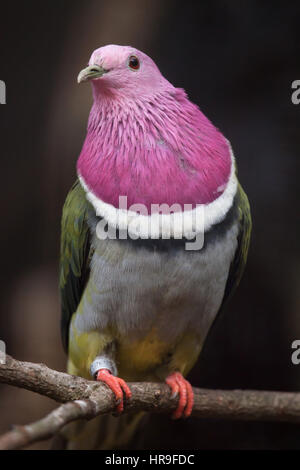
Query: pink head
122, 69
145, 139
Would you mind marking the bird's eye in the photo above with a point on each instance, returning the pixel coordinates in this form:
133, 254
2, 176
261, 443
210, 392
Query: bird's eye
134, 62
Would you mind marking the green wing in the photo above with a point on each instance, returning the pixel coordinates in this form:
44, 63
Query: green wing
239, 262
75, 255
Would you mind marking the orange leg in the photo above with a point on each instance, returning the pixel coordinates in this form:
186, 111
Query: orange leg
118, 386
180, 386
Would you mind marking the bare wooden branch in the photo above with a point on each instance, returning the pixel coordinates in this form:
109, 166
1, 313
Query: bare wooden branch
87, 399
47, 427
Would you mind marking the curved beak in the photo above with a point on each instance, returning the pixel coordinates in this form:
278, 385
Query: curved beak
91, 73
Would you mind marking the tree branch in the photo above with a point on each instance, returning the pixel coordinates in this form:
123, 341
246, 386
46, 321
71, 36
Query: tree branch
84, 399
49, 426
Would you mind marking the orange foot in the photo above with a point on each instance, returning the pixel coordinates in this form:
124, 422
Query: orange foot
180, 386
117, 385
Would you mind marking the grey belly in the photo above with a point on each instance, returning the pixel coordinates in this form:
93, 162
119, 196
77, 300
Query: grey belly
136, 289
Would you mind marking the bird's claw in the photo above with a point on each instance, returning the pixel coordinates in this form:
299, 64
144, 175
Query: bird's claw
180, 386
117, 385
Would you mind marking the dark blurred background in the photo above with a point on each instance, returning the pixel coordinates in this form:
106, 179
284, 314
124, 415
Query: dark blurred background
237, 60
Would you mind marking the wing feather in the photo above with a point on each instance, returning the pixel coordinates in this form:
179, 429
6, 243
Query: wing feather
75, 254
239, 262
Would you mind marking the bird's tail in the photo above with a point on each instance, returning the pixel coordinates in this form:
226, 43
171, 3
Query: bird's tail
104, 432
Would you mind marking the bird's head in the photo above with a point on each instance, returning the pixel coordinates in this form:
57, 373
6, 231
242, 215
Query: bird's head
123, 70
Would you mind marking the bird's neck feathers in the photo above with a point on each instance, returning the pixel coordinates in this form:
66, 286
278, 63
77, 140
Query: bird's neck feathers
155, 149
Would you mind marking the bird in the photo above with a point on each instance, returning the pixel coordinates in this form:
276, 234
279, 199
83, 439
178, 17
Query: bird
155, 235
